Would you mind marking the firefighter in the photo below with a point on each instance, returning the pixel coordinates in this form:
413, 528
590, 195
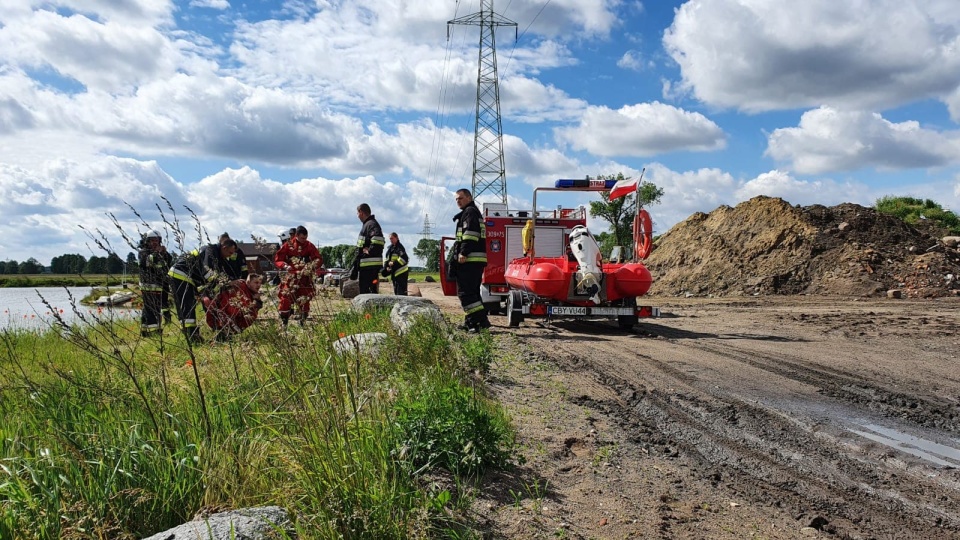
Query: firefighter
199, 272
236, 307
154, 262
471, 250
301, 260
369, 256
395, 265
238, 261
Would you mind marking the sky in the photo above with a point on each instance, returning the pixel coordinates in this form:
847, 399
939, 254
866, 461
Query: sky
251, 117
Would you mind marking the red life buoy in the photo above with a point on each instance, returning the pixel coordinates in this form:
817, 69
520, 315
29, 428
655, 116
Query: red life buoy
642, 234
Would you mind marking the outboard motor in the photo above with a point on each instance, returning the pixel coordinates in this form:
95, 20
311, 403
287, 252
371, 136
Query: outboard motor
587, 252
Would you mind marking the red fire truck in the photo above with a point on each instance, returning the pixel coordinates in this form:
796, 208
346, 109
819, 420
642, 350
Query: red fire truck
504, 244
546, 281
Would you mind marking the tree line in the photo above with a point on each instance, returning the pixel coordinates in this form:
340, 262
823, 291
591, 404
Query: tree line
72, 263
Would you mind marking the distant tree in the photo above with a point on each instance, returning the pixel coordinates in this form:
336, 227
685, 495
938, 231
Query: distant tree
96, 265
619, 213
71, 263
11, 267
428, 250
114, 264
914, 210
30, 266
133, 266
340, 255
3, 267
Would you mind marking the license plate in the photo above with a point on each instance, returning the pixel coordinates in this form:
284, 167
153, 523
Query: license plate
566, 310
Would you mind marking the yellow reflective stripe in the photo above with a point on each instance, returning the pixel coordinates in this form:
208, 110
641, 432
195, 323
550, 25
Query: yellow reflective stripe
470, 236
402, 270
377, 241
473, 308
178, 274
360, 241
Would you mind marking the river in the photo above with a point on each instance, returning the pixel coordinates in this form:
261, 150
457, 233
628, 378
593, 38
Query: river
22, 307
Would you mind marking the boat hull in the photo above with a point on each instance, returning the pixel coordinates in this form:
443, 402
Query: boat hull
554, 278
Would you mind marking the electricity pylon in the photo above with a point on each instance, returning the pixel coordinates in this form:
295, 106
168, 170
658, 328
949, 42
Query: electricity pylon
488, 169
427, 231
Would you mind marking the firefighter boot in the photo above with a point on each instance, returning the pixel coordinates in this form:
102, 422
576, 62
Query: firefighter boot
302, 318
195, 336
284, 320
483, 322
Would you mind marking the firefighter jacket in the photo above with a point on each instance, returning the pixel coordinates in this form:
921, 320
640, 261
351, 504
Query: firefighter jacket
204, 268
472, 235
299, 258
238, 265
154, 266
397, 255
236, 307
369, 245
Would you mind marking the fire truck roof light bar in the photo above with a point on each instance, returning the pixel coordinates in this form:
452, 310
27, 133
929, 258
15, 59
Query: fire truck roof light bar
598, 185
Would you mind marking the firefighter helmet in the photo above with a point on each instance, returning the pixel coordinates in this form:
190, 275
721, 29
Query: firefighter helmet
153, 233
284, 235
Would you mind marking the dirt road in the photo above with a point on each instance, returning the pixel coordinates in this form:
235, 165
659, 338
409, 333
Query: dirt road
765, 417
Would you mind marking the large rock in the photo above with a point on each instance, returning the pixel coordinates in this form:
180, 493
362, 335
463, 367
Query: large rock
370, 302
405, 315
951, 241
366, 344
350, 288
247, 524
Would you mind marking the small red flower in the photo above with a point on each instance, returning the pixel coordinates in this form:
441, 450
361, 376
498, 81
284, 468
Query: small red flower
366, 316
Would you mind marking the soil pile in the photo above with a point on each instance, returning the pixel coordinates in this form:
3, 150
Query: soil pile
767, 246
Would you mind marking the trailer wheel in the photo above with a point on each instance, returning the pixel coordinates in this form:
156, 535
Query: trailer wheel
514, 308
493, 308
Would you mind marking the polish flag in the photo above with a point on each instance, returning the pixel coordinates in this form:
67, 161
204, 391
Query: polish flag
623, 187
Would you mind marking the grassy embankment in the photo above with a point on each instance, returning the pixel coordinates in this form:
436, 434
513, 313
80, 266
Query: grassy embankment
64, 280
104, 434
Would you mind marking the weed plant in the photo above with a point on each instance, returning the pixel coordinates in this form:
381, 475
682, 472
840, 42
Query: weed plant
105, 434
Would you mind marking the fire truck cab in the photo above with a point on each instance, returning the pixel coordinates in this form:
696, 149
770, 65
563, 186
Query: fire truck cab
504, 243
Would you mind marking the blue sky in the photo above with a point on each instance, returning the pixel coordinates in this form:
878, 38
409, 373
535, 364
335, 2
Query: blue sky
261, 115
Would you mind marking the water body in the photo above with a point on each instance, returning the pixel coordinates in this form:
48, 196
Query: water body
23, 308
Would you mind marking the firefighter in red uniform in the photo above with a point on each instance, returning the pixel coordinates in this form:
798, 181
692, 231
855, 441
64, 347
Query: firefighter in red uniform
369, 256
471, 251
236, 307
301, 260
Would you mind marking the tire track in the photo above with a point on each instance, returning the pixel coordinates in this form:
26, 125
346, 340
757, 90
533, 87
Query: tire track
749, 449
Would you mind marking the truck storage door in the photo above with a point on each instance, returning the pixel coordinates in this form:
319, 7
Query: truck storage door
549, 242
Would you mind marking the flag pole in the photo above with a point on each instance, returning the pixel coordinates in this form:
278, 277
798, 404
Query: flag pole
636, 218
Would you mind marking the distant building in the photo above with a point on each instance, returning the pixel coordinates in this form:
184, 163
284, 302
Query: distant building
259, 256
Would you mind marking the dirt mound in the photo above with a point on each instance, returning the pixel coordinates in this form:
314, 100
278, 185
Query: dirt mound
766, 246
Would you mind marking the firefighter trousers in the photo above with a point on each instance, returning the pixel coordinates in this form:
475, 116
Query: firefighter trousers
469, 276
400, 284
368, 279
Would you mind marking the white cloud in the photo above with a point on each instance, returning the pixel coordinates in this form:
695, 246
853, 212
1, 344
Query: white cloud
832, 140
804, 192
111, 55
764, 55
336, 55
642, 130
631, 60
212, 4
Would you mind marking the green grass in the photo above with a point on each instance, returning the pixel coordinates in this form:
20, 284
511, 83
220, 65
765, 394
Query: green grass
106, 435
912, 210
64, 280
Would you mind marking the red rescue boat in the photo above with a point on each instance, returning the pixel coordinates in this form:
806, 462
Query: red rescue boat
580, 284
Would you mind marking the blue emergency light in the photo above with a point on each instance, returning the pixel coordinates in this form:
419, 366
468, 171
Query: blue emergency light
584, 183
